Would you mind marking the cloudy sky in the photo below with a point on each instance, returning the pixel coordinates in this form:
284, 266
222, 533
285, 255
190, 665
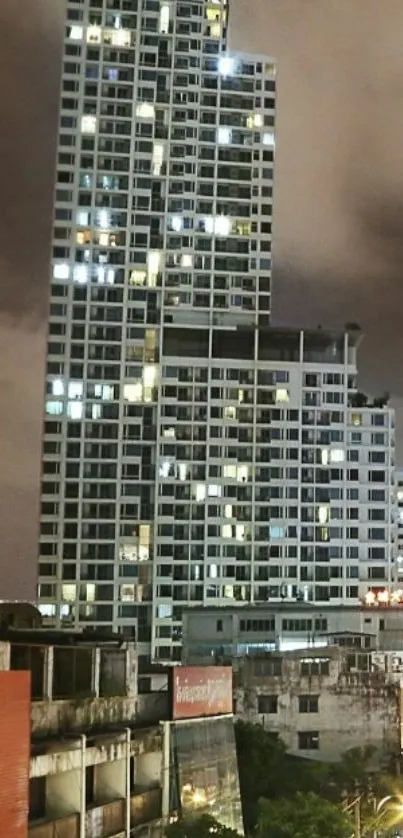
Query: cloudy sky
338, 216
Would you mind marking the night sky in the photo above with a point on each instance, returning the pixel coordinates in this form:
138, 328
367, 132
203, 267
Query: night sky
338, 233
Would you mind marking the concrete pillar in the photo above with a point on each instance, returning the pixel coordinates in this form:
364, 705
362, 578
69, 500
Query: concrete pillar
96, 670
48, 673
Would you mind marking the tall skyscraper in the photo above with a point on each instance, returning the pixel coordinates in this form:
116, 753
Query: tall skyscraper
162, 220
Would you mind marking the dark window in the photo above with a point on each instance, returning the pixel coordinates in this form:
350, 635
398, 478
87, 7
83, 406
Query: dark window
267, 703
219, 626
315, 666
308, 704
308, 740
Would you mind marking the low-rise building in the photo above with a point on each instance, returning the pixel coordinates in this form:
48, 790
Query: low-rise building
78, 759
92, 772
323, 702
216, 634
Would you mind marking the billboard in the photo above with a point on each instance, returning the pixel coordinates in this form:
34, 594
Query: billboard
201, 691
15, 744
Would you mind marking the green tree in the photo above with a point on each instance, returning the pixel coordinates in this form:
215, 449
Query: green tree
266, 770
203, 826
302, 816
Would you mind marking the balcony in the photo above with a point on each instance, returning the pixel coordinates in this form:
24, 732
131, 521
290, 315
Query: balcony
107, 820
62, 828
145, 807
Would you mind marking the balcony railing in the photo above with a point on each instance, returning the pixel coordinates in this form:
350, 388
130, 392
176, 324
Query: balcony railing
107, 820
62, 828
145, 806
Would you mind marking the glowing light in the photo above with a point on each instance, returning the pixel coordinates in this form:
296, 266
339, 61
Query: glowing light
176, 223
226, 65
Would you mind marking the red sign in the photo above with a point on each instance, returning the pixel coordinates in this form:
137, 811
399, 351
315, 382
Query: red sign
15, 744
201, 691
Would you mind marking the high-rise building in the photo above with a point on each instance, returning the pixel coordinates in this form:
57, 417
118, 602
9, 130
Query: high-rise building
162, 220
275, 476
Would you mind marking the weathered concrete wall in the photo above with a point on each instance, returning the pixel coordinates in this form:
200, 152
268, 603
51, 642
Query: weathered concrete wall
66, 755
355, 709
54, 717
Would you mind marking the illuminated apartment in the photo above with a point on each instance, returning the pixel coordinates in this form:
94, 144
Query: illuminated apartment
275, 477
162, 219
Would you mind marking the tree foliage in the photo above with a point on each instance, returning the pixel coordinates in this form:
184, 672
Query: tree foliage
203, 826
302, 816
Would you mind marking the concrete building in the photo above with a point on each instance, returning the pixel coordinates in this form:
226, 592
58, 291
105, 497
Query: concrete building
399, 513
78, 760
92, 771
162, 218
222, 634
322, 703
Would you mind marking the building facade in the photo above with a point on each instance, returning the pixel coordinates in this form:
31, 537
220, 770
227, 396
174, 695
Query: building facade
216, 634
272, 485
324, 703
162, 218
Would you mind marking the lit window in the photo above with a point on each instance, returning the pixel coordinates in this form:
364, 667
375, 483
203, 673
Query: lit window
323, 514
75, 389
128, 553
47, 610
240, 532
356, 419
75, 410
164, 19
118, 37
270, 70
215, 30
149, 375
199, 491
276, 532
88, 124
269, 139
164, 611
76, 33
158, 158
145, 111
83, 218
226, 65
153, 266
80, 274
229, 591
106, 392
214, 491
226, 531
127, 593
229, 471
137, 277
257, 120
54, 408
186, 260
224, 135
83, 237
182, 471
105, 275
68, 593
94, 34
400, 494
61, 271
230, 412
337, 455
324, 457
58, 387
96, 411
212, 571
242, 474
102, 219
228, 511
282, 395
133, 392
218, 224
104, 239
169, 433
166, 467
176, 223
